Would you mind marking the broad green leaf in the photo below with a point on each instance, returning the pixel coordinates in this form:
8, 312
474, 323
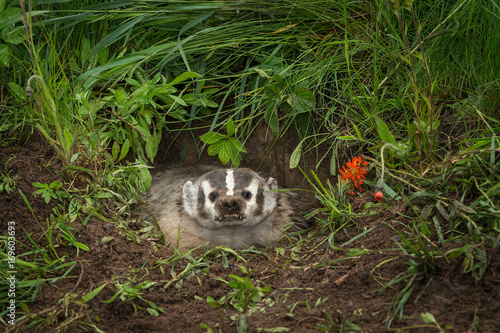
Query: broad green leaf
5, 53
295, 157
184, 76
152, 145
212, 302
270, 115
144, 183
428, 318
121, 96
68, 137
115, 150
84, 50
230, 127
236, 160
236, 146
17, 90
384, 132
212, 137
125, 149
15, 36
302, 100
103, 56
225, 152
106, 240
178, 100
215, 148
152, 312
74, 157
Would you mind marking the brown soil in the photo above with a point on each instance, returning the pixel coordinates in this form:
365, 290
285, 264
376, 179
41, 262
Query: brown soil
312, 286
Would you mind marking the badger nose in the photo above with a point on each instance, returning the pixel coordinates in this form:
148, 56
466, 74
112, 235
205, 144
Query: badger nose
229, 203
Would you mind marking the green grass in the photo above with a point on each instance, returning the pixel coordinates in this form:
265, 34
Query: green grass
106, 79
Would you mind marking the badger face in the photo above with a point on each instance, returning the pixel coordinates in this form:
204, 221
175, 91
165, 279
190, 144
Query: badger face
229, 197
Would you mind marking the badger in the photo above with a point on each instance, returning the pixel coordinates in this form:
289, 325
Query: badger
236, 208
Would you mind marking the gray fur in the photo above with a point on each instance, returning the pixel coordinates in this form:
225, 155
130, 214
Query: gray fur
200, 201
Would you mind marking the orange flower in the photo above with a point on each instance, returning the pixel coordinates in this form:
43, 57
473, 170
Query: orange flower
355, 172
379, 196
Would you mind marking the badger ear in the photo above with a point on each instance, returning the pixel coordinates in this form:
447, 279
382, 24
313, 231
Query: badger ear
189, 197
272, 184
270, 198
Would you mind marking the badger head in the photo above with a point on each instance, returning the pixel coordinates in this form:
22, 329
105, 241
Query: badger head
229, 197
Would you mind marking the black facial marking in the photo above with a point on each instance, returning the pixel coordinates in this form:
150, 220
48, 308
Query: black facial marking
260, 202
201, 204
243, 178
217, 179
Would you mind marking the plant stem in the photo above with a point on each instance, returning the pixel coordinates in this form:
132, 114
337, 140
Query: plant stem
417, 110
381, 181
426, 72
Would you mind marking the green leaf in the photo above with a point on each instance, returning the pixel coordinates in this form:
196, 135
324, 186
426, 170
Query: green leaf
106, 240
17, 90
236, 146
428, 318
95, 72
115, 150
152, 145
295, 158
184, 76
384, 132
15, 36
125, 149
212, 302
87, 297
215, 148
74, 157
302, 100
5, 52
346, 137
84, 50
225, 152
144, 181
270, 115
358, 133
39, 185
68, 138
230, 127
212, 137
115, 35
153, 312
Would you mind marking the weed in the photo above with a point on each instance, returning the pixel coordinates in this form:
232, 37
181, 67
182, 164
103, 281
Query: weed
129, 292
52, 191
244, 297
7, 183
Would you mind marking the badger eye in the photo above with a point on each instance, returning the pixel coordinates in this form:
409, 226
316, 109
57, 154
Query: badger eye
247, 195
213, 196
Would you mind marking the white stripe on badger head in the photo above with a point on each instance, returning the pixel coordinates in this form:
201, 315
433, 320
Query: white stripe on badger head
230, 182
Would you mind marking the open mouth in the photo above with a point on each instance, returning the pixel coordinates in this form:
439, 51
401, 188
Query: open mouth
230, 216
